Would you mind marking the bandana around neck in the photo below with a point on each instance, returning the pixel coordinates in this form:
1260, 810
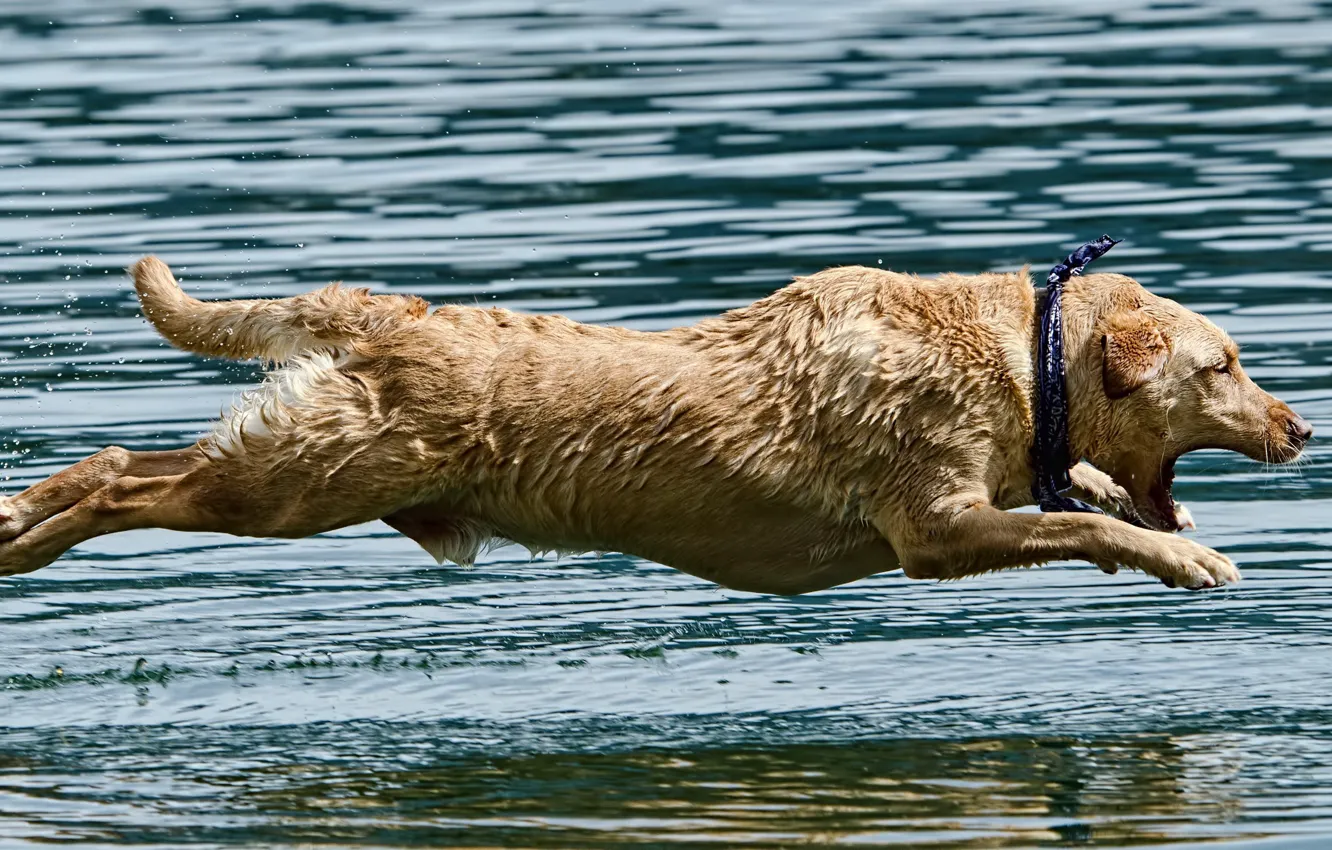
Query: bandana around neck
1050, 453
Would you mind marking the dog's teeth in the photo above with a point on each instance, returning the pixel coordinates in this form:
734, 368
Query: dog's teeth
1184, 519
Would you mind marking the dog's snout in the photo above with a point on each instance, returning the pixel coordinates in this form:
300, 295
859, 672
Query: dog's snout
1298, 429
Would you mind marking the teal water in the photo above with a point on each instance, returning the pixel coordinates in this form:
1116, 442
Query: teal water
648, 163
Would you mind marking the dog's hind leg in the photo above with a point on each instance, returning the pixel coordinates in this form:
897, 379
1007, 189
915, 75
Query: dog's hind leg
65, 489
244, 495
124, 503
312, 452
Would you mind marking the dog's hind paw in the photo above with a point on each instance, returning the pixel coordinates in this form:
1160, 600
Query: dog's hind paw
15, 559
11, 524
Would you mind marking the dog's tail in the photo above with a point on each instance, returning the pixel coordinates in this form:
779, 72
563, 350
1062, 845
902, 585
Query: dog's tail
275, 329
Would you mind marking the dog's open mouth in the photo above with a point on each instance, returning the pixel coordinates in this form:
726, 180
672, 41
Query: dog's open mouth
1158, 510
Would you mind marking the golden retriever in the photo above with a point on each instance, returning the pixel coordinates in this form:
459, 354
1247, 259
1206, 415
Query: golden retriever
853, 422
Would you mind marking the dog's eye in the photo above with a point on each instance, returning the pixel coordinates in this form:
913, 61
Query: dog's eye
1222, 369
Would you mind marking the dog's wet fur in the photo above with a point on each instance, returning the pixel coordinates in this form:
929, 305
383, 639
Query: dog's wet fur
853, 422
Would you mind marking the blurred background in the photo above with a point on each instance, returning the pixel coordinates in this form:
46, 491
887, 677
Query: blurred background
649, 163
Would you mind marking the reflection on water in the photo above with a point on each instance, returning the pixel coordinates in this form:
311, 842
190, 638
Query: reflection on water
464, 787
648, 163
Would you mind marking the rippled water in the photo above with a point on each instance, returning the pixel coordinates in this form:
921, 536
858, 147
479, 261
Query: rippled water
648, 163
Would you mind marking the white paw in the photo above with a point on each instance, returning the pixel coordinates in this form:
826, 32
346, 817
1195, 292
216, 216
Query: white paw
1191, 565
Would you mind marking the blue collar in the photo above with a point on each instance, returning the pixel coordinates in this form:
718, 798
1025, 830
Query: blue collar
1050, 452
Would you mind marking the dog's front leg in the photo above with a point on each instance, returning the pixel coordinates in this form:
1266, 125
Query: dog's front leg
966, 538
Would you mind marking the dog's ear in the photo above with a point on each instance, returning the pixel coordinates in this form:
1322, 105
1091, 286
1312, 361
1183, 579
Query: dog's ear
1133, 352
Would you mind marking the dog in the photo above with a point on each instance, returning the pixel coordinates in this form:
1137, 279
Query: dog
854, 422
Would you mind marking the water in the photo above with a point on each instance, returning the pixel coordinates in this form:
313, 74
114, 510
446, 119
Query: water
647, 164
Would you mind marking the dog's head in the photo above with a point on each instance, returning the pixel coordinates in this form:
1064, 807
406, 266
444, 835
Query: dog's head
1150, 381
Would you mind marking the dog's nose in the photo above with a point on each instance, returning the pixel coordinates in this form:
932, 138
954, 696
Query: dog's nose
1299, 430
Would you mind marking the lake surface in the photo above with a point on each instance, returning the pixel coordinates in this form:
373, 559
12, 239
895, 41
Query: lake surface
647, 164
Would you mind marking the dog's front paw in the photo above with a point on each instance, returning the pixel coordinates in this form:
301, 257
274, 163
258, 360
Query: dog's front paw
1092, 485
1188, 564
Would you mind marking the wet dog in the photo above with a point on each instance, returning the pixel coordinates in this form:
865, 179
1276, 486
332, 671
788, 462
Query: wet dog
854, 422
